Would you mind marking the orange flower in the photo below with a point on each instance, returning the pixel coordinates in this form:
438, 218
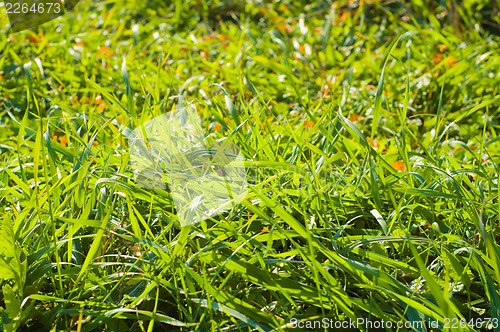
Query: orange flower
284, 28
204, 54
62, 139
355, 117
343, 17
34, 39
308, 124
265, 229
374, 143
208, 38
450, 61
217, 127
106, 51
442, 48
399, 166
224, 38
437, 58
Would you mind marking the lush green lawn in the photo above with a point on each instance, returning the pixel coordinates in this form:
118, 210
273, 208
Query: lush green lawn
370, 133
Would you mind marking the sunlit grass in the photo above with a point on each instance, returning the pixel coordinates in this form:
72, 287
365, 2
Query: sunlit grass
370, 138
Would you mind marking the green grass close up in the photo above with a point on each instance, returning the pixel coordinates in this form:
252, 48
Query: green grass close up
370, 133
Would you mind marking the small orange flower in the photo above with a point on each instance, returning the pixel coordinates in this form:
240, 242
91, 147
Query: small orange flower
217, 127
265, 229
106, 51
355, 117
374, 144
308, 124
437, 58
399, 166
204, 54
62, 139
35, 39
442, 48
208, 38
451, 61
343, 17
284, 28
224, 38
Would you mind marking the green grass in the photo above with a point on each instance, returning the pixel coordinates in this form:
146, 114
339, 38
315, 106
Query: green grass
370, 131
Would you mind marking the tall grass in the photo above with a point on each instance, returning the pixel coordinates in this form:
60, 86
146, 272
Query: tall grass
370, 136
